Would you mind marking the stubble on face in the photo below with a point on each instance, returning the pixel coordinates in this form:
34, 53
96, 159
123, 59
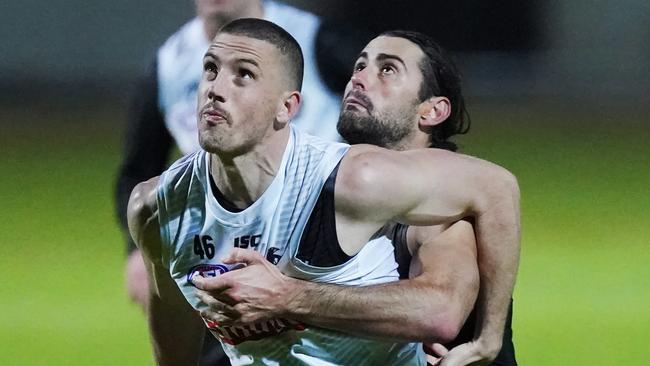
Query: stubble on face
382, 98
241, 108
389, 128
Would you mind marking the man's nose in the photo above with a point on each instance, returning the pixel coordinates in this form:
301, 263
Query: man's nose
360, 80
217, 89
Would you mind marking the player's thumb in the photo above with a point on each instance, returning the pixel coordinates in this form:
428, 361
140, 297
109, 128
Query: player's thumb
199, 281
439, 349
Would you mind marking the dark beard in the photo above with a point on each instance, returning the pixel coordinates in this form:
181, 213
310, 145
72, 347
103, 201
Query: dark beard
371, 130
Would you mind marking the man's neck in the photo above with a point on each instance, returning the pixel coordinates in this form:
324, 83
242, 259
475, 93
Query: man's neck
415, 140
243, 179
212, 25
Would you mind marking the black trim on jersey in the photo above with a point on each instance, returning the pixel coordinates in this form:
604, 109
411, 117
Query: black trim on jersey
319, 245
397, 234
223, 201
147, 145
506, 356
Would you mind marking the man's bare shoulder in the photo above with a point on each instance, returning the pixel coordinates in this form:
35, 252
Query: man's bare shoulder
369, 159
143, 200
368, 170
378, 183
143, 210
367, 166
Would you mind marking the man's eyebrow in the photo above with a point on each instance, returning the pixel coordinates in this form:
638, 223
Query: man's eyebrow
249, 61
242, 60
363, 54
211, 55
386, 56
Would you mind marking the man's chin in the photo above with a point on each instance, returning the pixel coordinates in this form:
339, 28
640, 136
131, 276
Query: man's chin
358, 128
353, 126
355, 110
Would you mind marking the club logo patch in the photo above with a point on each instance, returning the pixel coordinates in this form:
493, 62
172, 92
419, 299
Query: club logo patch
206, 270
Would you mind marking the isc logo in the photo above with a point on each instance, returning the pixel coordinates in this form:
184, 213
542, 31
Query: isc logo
245, 241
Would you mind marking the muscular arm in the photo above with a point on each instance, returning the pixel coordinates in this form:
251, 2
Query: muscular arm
432, 305
176, 329
382, 310
444, 186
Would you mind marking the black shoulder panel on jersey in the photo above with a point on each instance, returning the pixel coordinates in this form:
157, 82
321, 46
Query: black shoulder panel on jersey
397, 235
319, 244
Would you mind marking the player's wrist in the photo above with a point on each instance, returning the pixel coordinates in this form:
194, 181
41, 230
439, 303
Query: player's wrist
489, 346
293, 298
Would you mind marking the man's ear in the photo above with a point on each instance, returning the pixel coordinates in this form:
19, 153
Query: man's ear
433, 111
289, 107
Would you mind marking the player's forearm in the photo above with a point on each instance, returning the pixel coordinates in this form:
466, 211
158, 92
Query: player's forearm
498, 245
176, 335
176, 329
408, 310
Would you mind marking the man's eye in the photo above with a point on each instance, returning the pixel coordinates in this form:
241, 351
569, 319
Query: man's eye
246, 74
358, 67
387, 69
210, 67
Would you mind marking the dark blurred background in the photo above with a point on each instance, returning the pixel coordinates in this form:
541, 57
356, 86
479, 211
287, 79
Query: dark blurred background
76, 49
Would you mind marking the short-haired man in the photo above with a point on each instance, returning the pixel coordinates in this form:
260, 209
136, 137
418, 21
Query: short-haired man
261, 185
163, 109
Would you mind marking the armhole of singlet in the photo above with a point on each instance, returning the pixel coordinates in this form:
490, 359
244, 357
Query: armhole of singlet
401, 250
319, 245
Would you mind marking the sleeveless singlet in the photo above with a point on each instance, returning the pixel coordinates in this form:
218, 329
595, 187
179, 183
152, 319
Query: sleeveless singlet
196, 231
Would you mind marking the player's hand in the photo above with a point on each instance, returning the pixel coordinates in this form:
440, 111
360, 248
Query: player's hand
137, 282
471, 353
255, 292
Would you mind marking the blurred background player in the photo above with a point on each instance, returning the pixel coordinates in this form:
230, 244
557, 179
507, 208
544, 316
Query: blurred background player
163, 109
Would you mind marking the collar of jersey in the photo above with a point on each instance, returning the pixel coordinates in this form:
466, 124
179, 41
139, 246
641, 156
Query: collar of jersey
263, 207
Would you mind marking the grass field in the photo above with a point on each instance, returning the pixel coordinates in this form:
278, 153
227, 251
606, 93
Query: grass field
582, 297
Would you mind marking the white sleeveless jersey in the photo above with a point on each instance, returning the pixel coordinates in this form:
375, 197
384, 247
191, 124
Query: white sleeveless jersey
196, 231
180, 63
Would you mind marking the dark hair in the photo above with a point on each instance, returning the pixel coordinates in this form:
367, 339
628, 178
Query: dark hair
278, 37
440, 77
